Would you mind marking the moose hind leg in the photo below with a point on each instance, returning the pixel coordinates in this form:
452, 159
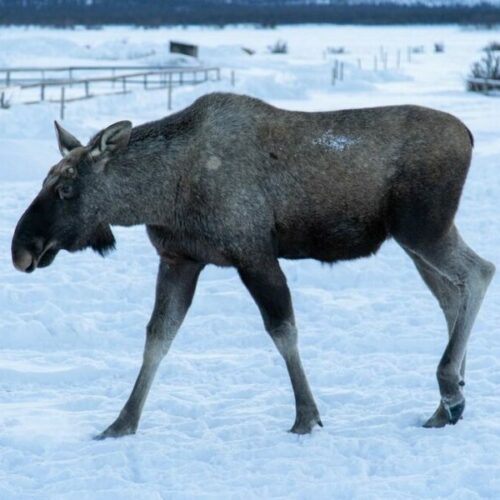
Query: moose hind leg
267, 285
445, 292
175, 288
459, 278
448, 297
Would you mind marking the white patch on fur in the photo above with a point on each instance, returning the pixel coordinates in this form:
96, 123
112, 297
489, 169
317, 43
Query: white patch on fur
334, 142
213, 163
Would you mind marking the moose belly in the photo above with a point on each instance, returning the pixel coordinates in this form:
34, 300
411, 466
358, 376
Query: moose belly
349, 239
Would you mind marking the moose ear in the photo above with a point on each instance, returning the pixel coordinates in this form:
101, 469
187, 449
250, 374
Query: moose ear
113, 138
66, 141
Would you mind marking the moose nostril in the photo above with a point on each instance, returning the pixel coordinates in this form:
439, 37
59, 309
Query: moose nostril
22, 260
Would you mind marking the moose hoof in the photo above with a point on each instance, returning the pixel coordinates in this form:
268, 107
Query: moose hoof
446, 414
305, 422
116, 430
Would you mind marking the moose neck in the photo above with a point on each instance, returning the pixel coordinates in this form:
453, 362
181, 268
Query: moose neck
140, 183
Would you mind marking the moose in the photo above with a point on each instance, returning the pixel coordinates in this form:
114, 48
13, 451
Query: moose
234, 181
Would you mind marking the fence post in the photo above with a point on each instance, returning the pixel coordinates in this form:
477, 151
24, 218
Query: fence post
2, 100
42, 92
61, 114
170, 91
218, 74
341, 72
124, 84
145, 81
7, 79
336, 71
87, 88
233, 78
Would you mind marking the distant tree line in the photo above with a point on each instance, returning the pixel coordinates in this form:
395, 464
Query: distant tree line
64, 13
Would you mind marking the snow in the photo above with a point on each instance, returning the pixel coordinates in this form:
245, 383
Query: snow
214, 425
334, 142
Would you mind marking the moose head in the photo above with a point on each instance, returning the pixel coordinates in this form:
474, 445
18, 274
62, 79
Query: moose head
69, 212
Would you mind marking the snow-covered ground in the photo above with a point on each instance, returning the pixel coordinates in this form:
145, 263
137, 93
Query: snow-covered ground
371, 334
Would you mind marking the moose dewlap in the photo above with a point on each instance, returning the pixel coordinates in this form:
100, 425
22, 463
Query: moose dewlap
233, 181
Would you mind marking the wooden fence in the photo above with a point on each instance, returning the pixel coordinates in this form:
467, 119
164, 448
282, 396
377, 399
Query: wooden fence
382, 60
66, 90
26, 74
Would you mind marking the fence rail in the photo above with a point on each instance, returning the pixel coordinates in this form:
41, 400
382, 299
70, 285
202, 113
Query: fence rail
13, 75
483, 84
76, 89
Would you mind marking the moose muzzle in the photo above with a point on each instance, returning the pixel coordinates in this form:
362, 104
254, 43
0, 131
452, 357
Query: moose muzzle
27, 258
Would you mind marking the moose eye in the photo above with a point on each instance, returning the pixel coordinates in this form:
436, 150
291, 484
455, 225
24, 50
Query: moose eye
65, 191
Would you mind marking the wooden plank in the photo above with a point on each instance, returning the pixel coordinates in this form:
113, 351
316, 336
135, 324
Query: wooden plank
83, 97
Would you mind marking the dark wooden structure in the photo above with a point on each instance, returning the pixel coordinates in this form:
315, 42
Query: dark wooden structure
184, 48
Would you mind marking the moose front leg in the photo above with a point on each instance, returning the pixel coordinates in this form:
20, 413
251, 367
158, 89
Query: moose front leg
174, 292
267, 285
